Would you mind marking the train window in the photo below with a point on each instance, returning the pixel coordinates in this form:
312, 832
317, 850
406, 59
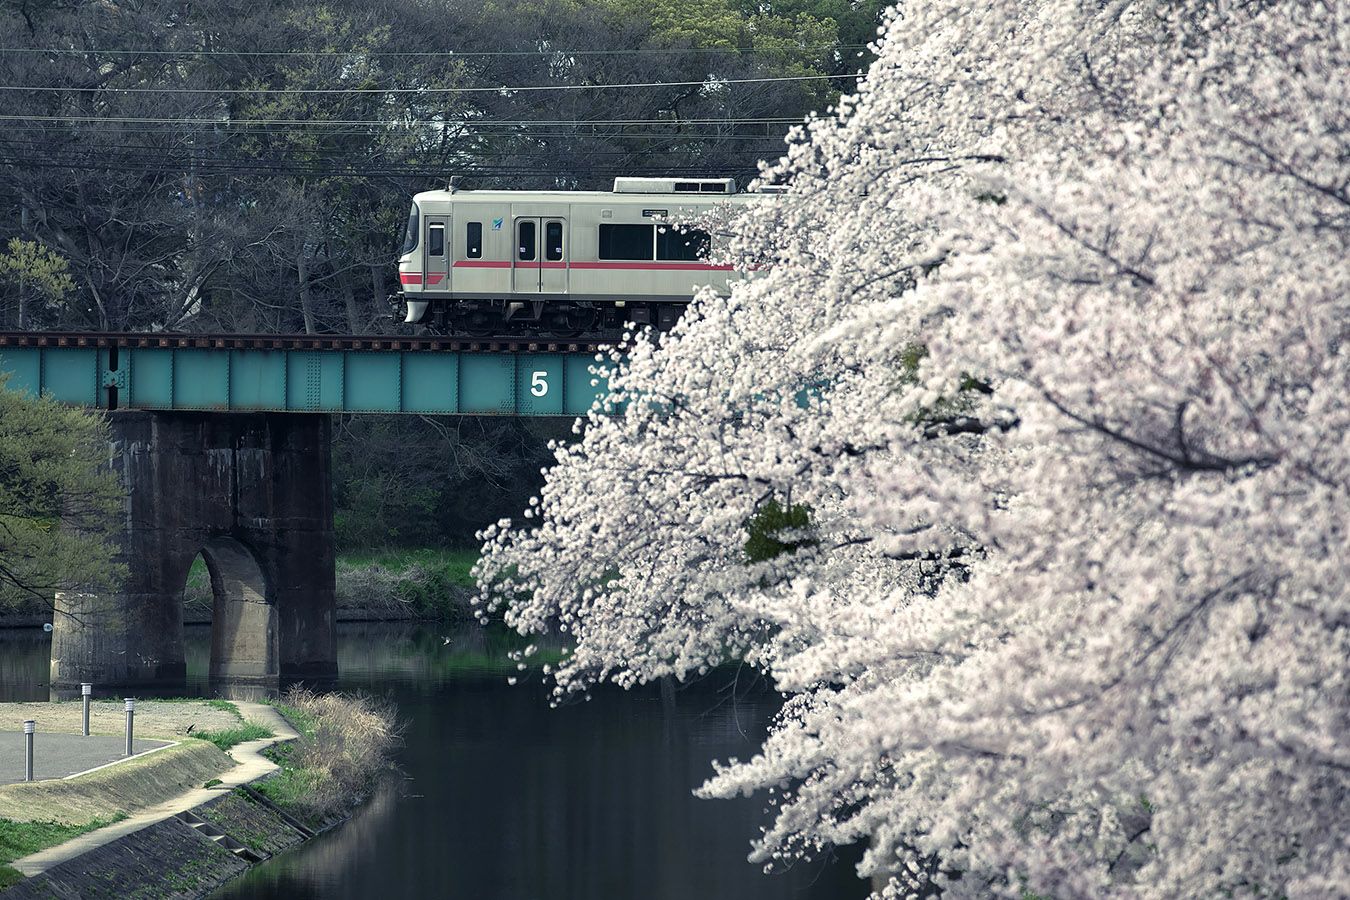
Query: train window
436, 240
553, 241
410, 237
473, 248
525, 239
625, 242
682, 187
672, 243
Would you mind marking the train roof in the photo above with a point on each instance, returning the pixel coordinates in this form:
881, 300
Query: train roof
700, 189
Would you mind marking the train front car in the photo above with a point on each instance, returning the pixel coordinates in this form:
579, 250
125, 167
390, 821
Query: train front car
412, 268
560, 262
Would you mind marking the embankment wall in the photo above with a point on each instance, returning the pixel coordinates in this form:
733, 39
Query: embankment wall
170, 860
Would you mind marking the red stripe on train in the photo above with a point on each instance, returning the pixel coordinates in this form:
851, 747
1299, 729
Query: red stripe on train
636, 266
648, 265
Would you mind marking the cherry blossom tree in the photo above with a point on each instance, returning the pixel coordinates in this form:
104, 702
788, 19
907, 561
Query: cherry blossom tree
1020, 463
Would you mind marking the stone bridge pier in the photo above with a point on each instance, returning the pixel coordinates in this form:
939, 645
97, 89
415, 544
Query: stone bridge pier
251, 493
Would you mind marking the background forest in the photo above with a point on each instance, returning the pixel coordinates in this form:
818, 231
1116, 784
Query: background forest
247, 167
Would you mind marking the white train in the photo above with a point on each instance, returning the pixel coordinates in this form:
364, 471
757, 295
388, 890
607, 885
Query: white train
566, 262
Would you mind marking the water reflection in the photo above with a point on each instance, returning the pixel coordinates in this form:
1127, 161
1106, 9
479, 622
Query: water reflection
509, 800
504, 798
348, 854
25, 664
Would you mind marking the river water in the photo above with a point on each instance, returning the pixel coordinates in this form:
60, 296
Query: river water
502, 798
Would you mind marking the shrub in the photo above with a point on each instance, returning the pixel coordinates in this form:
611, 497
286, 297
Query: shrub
346, 745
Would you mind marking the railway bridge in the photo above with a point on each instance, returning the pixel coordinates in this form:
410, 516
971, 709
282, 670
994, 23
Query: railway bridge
222, 442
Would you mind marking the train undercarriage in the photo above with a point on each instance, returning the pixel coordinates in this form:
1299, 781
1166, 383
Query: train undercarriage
543, 318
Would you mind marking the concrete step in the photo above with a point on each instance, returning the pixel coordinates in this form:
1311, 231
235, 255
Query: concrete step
211, 832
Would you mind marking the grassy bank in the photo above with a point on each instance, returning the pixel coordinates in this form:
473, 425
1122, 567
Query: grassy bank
38, 815
346, 745
417, 584
19, 839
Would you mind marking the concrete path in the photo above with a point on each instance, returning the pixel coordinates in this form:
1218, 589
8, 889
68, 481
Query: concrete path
252, 766
65, 755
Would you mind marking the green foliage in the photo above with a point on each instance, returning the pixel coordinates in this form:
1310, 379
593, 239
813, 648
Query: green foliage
376, 511
9, 876
19, 839
31, 265
59, 501
708, 24
198, 595
455, 566
426, 584
910, 359
944, 409
232, 737
854, 22
302, 720
775, 530
790, 42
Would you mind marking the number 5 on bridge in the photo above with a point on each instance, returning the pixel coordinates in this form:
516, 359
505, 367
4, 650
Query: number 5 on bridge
540, 384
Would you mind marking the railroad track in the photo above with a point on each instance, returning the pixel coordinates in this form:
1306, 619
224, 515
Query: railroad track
427, 343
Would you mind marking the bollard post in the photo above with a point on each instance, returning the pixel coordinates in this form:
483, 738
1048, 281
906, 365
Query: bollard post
86, 689
28, 728
131, 715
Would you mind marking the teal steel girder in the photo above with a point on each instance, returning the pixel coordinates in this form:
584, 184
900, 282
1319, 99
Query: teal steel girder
299, 380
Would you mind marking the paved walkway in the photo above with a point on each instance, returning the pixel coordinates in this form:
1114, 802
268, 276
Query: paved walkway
252, 766
64, 755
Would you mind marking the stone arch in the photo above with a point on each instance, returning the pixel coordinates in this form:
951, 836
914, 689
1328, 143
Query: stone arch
252, 493
243, 616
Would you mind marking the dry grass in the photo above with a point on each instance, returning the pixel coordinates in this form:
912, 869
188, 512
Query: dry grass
167, 719
124, 788
346, 744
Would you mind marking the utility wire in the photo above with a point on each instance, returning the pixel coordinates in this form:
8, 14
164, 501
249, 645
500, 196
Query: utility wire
264, 169
396, 125
433, 54
500, 89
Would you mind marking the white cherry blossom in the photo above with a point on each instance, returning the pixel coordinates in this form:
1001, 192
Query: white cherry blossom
1067, 286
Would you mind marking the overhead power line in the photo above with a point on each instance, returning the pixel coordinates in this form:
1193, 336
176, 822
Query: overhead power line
431, 54
528, 165
499, 89
395, 124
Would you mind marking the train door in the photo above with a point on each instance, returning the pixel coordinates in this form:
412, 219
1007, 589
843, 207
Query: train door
436, 274
540, 259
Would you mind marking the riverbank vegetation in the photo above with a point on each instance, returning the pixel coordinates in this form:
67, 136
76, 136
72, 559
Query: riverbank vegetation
421, 481
42, 814
19, 839
421, 584
232, 737
346, 745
